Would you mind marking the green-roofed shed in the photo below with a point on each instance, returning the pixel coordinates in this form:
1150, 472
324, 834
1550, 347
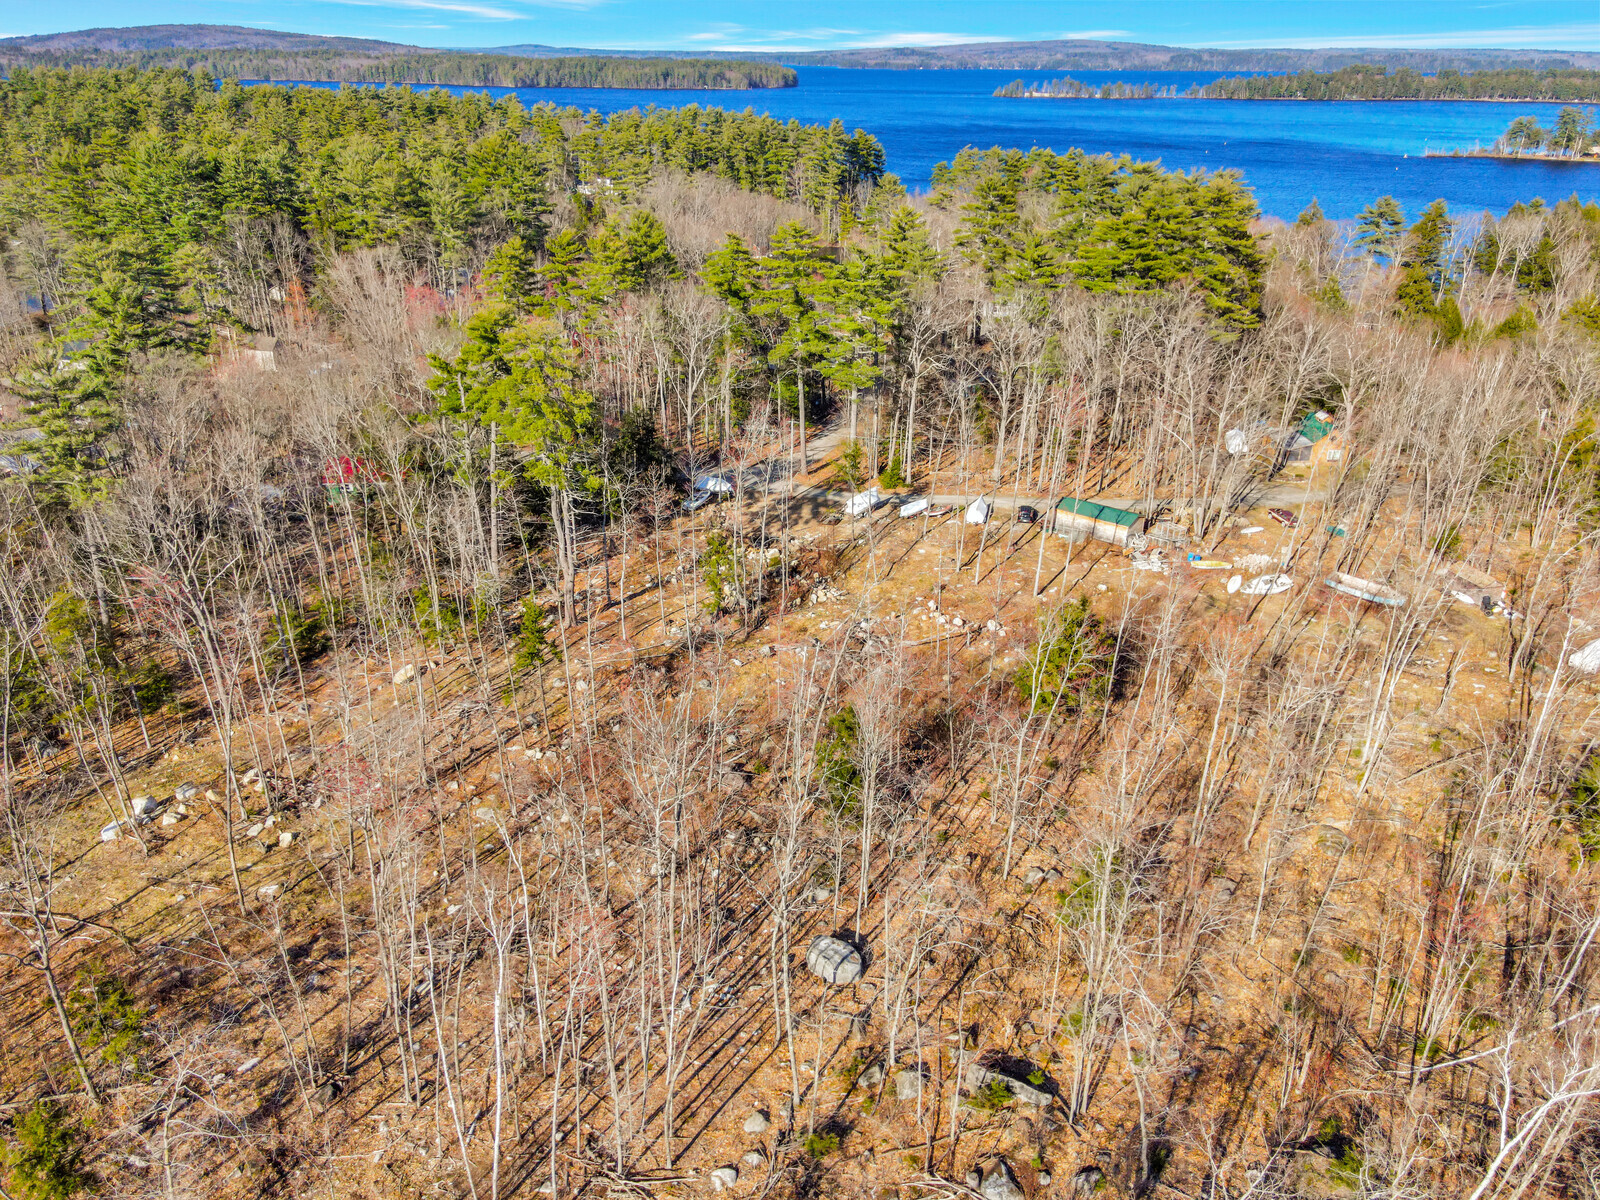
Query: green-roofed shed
1100, 521
1315, 427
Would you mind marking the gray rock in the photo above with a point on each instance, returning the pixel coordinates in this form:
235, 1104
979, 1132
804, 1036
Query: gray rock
753, 1158
1044, 1178
170, 819
871, 1077
980, 1076
185, 791
1052, 876
724, 1178
1033, 876
1001, 1184
1087, 1181
285, 840
325, 1095
974, 1177
908, 1084
254, 830
757, 1122
834, 961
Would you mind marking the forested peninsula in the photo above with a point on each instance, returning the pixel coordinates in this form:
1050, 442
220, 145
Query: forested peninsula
1379, 83
400, 65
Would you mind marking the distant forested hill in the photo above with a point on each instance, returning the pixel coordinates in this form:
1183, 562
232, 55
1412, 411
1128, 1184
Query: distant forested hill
1378, 83
1065, 55
241, 54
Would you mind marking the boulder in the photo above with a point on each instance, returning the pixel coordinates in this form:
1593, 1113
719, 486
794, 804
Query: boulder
254, 830
724, 1178
908, 1084
1044, 1178
974, 1177
170, 819
1086, 1181
980, 1076
872, 1077
285, 840
1033, 876
834, 961
143, 804
1001, 1184
753, 1158
757, 1122
406, 673
185, 791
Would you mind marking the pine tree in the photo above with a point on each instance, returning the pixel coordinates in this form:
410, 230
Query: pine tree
1378, 228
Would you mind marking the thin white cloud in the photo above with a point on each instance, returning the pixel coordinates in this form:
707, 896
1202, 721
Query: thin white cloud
1093, 35
1582, 35
488, 12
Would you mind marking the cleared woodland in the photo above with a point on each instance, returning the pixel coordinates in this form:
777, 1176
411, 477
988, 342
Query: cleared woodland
517, 790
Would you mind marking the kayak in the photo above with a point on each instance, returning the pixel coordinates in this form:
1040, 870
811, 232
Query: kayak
1210, 564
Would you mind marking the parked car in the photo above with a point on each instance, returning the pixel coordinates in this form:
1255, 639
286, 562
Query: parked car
1027, 515
1283, 517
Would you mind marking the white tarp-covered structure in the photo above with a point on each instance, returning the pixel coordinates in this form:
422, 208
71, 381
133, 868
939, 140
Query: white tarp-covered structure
836, 961
715, 484
1587, 659
978, 511
914, 507
862, 503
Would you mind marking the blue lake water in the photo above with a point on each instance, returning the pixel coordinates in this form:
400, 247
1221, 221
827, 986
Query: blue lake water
1344, 153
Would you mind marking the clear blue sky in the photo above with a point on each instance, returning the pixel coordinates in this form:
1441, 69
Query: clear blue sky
828, 24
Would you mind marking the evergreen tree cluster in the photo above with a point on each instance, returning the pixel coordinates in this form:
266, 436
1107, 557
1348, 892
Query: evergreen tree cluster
1369, 82
1435, 252
168, 158
1110, 224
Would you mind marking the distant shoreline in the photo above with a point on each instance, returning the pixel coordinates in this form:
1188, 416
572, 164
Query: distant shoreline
1592, 160
1308, 100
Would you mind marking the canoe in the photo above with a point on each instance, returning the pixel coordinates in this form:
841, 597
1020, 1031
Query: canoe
1266, 585
1366, 589
1210, 564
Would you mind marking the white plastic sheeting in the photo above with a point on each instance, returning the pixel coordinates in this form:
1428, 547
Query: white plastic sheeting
1587, 659
978, 511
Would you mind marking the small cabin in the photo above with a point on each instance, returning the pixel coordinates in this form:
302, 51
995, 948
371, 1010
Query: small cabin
1313, 440
1100, 521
